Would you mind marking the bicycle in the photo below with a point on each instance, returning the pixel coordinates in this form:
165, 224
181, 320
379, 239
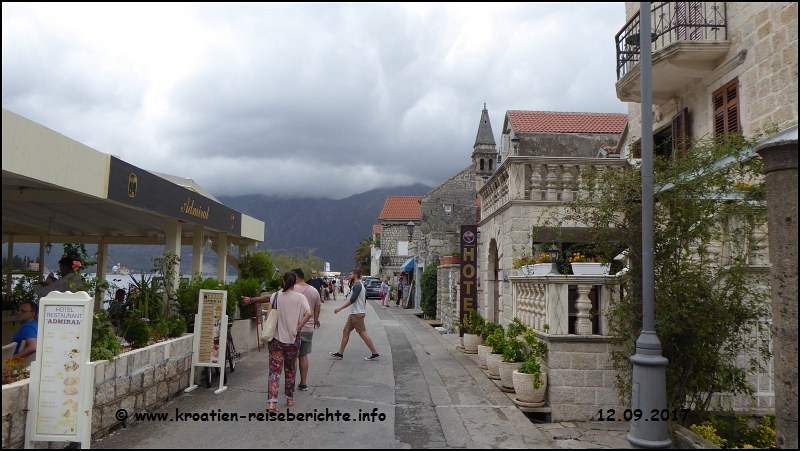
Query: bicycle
230, 354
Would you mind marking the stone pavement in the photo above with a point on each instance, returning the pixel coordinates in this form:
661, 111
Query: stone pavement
432, 396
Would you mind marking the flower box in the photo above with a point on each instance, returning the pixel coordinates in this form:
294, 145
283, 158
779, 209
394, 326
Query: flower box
590, 268
538, 269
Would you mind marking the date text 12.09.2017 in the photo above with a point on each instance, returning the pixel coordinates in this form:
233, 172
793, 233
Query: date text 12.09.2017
637, 415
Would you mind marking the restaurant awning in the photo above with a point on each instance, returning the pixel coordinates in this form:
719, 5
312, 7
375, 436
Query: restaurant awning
408, 265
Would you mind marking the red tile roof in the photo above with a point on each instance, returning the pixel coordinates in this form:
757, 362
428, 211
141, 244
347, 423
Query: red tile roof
559, 122
376, 229
401, 207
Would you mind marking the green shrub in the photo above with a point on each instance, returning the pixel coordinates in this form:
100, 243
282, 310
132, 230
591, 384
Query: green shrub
513, 352
496, 341
244, 287
137, 330
176, 326
428, 284
105, 345
488, 329
159, 330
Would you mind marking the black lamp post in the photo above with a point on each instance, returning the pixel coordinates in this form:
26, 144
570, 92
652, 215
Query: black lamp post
410, 228
554, 259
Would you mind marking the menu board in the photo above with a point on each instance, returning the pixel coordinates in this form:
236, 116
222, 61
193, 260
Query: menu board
210, 324
61, 360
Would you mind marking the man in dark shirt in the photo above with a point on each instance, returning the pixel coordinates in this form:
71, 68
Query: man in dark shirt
317, 283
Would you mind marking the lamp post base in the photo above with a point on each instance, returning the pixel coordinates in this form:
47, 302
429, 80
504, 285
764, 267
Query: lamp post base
649, 393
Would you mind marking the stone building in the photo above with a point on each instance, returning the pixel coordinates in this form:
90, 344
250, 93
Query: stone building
737, 75
397, 212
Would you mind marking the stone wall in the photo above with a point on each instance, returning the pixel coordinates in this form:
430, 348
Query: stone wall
137, 381
439, 229
580, 377
391, 233
447, 295
564, 144
763, 55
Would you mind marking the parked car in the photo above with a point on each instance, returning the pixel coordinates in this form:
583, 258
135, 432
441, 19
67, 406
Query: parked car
373, 287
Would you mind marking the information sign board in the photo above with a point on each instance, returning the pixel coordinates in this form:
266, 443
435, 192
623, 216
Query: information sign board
210, 334
61, 390
469, 273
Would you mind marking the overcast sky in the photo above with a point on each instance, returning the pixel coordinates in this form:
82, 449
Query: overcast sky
314, 100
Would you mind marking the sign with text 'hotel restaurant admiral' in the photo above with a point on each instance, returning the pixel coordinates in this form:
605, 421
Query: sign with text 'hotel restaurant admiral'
469, 274
139, 188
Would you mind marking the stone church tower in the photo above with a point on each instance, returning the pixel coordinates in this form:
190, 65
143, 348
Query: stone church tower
484, 153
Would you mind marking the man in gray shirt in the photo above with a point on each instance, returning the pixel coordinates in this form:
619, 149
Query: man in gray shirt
358, 300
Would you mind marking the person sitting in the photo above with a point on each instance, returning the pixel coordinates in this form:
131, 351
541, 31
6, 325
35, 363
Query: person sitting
69, 281
27, 333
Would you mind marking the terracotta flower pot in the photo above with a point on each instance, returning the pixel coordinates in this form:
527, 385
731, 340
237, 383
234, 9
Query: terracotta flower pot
523, 385
483, 352
493, 362
471, 343
505, 370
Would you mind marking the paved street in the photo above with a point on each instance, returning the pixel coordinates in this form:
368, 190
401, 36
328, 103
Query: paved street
432, 395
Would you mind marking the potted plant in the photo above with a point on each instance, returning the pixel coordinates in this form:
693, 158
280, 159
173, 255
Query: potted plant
524, 264
483, 350
451, 258
530, 380
583, 265
497, 342
513, 354
542, 264
473, 338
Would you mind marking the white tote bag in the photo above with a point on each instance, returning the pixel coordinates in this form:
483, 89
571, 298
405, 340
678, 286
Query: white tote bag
271, 324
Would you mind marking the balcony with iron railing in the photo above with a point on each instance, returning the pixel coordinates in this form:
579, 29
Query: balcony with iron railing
541, 181
688, 40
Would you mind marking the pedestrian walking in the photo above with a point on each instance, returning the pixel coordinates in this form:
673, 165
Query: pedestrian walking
400, 287
317, 283
332, 286
307, 333
384, 293
293, 314
358, 301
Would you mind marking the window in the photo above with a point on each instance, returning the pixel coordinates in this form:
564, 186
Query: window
680, 133
482, 163
402, 248
726, 109
490, 164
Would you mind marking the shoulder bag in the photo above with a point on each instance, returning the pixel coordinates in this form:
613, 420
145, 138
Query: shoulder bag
271, 324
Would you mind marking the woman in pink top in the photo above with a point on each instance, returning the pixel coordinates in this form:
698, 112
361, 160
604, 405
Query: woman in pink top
293, 313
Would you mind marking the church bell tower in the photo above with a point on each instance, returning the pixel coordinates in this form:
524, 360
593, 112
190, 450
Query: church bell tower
484, 153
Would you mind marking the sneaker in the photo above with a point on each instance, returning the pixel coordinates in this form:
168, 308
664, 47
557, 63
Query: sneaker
336, 355
372, 357
302, 387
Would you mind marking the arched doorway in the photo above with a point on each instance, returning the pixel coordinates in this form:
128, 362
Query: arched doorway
493, 284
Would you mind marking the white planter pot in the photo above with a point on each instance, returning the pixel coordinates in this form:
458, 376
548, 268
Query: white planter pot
541, 269
471, 343
483, 352
505, 369
493, 362
590, 269
523, 385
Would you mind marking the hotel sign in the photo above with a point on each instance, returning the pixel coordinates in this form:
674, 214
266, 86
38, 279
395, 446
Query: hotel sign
469, 274
133, 186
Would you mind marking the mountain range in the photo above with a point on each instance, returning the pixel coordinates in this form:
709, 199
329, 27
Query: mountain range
330, 229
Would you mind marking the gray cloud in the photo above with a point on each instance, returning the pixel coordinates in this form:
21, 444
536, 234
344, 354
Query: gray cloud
326, 100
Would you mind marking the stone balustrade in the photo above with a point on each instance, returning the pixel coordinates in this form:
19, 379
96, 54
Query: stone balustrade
540, 300
546, 180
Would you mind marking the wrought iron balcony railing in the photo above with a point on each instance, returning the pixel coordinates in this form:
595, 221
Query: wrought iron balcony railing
671, 22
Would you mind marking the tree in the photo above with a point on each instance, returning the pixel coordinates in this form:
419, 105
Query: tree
363, 256
287, 262
708, 300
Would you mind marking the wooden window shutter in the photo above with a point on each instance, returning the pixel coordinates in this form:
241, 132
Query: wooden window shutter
636, 149
680, 133
726, 109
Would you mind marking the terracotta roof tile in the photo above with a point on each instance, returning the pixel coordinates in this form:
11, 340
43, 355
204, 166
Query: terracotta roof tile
376, 229
560, 122
401, 207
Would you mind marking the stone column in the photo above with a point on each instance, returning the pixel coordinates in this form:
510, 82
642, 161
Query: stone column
583, 322
780, 168
197, 250
102, 256
222, 256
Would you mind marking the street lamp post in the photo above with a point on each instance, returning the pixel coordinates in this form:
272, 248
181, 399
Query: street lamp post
649, 389
554, 259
